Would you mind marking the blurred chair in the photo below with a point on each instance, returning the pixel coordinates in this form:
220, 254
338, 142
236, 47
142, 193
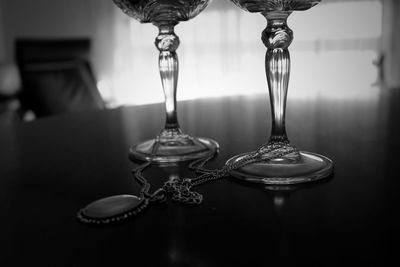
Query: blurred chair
56, 76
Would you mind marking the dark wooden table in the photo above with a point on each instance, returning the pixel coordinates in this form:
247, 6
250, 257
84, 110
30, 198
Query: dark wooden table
52, 167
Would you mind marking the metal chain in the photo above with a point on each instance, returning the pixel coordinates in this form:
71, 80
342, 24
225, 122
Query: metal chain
180, 189
157, 196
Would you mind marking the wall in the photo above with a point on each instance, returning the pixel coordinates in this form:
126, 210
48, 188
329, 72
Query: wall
44, 18
1, 32
391, 43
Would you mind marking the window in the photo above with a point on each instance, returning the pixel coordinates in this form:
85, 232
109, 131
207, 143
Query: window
221, 54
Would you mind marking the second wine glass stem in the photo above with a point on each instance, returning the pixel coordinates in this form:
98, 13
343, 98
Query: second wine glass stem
167, 42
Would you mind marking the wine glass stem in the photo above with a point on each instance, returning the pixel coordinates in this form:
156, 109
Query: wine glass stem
167, 43
277, 37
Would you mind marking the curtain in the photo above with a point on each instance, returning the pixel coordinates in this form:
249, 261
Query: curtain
221, 53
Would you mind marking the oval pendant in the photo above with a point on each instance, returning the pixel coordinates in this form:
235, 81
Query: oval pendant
111, 209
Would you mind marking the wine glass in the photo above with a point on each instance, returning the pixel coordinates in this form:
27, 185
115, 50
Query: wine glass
297, 166
171, 145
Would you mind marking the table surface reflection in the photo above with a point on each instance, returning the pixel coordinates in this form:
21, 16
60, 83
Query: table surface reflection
52, 167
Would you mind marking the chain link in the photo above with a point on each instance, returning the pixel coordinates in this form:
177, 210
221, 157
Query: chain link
180, 190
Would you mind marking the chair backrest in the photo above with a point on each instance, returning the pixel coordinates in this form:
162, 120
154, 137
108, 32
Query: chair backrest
56, 76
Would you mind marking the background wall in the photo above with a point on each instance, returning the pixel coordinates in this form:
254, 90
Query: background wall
391, 42
44, 18
58, 19
2, 42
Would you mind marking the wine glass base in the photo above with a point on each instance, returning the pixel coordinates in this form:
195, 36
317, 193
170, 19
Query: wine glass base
174, 150
307, 168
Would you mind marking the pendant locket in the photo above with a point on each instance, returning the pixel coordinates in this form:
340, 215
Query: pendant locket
112, 209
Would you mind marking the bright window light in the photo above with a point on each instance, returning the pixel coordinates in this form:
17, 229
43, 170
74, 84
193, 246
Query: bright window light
221, 54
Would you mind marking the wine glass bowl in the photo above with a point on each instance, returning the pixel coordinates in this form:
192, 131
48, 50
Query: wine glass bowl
275, 5
171, 145
162, 11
